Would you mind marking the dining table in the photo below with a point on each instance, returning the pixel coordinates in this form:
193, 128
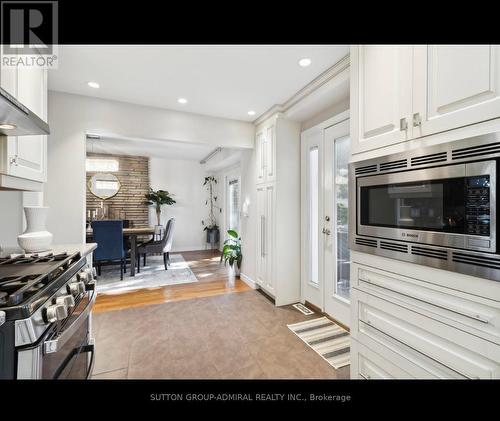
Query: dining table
132, 234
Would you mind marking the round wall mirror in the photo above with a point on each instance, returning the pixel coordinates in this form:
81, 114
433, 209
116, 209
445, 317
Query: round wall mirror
104, 185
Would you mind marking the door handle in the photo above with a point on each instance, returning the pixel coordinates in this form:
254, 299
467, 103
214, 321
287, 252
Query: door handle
262, 236
326, 231
403, 124
417, 120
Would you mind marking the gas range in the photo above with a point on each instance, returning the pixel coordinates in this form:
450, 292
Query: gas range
45, 320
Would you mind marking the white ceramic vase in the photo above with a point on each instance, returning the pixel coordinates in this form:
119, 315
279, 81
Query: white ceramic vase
36, 238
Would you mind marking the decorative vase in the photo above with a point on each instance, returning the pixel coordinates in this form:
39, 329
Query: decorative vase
36, 238
236, 270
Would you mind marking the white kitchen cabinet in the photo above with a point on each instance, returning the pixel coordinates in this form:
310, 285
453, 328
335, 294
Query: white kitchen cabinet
265, 217
380, 95
454, 86
25, 157
278, 209
422, 327
266, 153
260, 147
400, 93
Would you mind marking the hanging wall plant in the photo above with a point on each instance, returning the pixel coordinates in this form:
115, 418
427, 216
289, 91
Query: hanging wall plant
210, 224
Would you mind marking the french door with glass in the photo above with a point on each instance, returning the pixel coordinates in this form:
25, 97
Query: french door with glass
326, 256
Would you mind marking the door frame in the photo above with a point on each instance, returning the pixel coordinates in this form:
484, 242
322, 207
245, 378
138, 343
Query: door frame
305, 136
331, 299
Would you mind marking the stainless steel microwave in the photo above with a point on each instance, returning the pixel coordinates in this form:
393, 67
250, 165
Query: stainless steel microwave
434, 206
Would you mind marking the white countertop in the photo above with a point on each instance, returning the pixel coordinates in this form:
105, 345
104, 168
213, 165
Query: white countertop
83, 248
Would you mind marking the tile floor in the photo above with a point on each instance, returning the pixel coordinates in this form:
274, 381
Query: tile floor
239, 335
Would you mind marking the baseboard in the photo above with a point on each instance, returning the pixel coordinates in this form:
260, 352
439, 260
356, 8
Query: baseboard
189, 248
249, 281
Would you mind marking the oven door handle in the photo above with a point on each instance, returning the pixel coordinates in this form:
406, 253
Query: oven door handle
54, 345
89, 348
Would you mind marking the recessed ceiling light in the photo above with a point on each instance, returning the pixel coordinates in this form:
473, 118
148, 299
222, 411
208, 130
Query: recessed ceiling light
251, 112
94, 85
7, 126
304, 62
182, 101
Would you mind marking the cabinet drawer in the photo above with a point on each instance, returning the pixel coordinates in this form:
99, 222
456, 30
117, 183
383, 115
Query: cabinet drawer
366, 364
466, 354
476, 315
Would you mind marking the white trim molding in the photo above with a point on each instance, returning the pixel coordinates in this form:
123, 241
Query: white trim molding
311, 87
249, 281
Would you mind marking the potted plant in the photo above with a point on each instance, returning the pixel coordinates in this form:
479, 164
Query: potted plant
158, 198
210, 224
231, 253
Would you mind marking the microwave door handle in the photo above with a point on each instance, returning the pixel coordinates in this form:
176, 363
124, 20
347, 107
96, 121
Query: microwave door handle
53, 345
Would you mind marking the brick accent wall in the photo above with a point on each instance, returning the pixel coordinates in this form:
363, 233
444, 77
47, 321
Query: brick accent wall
134, 179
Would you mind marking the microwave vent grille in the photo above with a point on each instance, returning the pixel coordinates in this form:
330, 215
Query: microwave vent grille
489, 262
476, 151
366, 242
387, 245
366, 169
429, 252
387, 166
429, 159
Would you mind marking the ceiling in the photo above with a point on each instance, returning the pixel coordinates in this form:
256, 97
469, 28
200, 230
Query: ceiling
221, 81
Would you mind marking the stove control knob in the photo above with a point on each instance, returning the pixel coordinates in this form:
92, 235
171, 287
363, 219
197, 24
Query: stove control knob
56, 312
66, 300
83, 275
76, 288
90, 274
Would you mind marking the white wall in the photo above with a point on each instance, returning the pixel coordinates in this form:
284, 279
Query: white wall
330, 112
11, 217
185, 180
71, 116
12, 220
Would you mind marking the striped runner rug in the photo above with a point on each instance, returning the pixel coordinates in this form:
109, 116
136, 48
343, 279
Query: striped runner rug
327, 338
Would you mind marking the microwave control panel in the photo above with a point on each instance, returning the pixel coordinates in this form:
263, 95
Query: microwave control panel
477, 205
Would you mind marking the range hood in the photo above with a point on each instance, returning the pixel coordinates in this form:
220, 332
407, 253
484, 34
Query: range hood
17, 119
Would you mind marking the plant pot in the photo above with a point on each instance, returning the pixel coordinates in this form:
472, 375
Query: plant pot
236, 270
213, 235
36, 238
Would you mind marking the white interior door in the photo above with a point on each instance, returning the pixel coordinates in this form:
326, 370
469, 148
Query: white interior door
325, 252
337, 146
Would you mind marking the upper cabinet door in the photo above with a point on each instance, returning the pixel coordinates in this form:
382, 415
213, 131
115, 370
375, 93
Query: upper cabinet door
270, 154
454, 86
260, 150
27, 156
381, 97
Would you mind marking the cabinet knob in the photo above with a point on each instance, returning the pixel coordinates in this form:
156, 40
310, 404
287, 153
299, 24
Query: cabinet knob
13, 160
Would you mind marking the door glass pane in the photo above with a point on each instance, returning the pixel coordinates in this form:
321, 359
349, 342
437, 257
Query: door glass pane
234, 204
341, 159
313, 188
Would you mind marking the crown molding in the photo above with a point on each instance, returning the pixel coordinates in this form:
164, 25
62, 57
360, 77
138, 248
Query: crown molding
312, 86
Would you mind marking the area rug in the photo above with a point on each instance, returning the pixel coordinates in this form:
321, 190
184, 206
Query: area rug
326, 338
152, 275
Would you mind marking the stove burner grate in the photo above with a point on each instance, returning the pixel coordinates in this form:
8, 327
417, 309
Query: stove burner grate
33, 258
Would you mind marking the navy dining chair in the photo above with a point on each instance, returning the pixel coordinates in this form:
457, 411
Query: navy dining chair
109, 238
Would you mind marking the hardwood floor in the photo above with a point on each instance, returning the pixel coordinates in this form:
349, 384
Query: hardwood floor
213, 279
